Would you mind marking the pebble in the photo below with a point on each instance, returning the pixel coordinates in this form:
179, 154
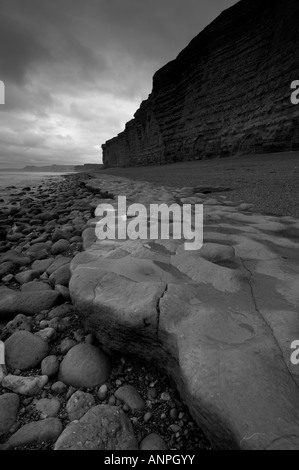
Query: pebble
131, 397
50, 366
60, 247
174, 428
26, 276
9, 405
47, 334
59, 388
61, 311
36, 432
66, 344
61, 276
78, 404
102, 392
48, 407
147, 417
152, 393
20, 322
165, 396
73, 370
27, 386
24, 350
153, 442
112, 400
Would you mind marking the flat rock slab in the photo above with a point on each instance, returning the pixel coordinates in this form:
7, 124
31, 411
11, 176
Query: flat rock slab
220, 321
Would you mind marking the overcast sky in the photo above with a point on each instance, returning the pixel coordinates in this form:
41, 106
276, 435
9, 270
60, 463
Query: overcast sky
76, 71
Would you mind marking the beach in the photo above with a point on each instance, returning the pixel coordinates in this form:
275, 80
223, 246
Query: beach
42, 229
270, 182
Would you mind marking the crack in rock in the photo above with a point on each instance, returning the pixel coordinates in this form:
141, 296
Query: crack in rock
265, 320
158, 309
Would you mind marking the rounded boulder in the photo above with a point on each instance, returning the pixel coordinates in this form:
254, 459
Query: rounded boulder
84, 366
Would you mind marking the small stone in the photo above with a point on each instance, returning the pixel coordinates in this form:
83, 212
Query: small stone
26, 276
27, 386
63, 291
79, 335
50, 366
61, 311
79, 404
59, 388
90, 339
84, 366
165, 396
41, 266
153, 442
20, 322
174, 428
3, 372
173, 413
35, 286
147, 417
152, 393
9, 405
66, 344
60, 247
102, 392
112, 400
60, 261
47, 334
8, 278
131, 397
48, 407
61, 276
24, 350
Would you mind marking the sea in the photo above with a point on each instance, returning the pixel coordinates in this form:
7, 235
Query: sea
10, 181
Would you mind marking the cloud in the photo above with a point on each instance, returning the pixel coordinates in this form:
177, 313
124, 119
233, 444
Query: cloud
76, 71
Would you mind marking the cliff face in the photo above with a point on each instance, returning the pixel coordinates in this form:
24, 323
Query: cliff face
227, 92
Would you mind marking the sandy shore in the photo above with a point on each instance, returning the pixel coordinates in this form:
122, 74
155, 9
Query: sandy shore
270, 182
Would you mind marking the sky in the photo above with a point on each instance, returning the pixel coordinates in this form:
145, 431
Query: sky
75, 71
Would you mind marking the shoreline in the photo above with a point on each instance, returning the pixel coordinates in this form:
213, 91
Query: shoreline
270, 182
56, 213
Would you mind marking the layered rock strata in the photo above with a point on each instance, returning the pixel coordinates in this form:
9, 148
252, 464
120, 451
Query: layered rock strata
228, 92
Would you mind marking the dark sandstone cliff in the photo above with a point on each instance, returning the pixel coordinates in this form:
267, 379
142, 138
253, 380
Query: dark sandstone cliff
228, 92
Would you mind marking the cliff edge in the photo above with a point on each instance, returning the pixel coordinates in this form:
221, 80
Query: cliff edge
227, 92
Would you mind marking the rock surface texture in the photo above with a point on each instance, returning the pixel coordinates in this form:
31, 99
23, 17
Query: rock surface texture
227, 92
219, 321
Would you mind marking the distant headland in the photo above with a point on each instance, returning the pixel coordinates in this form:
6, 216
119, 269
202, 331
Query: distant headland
56, 168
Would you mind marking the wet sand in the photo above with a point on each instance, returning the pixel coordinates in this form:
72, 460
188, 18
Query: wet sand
270, 181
